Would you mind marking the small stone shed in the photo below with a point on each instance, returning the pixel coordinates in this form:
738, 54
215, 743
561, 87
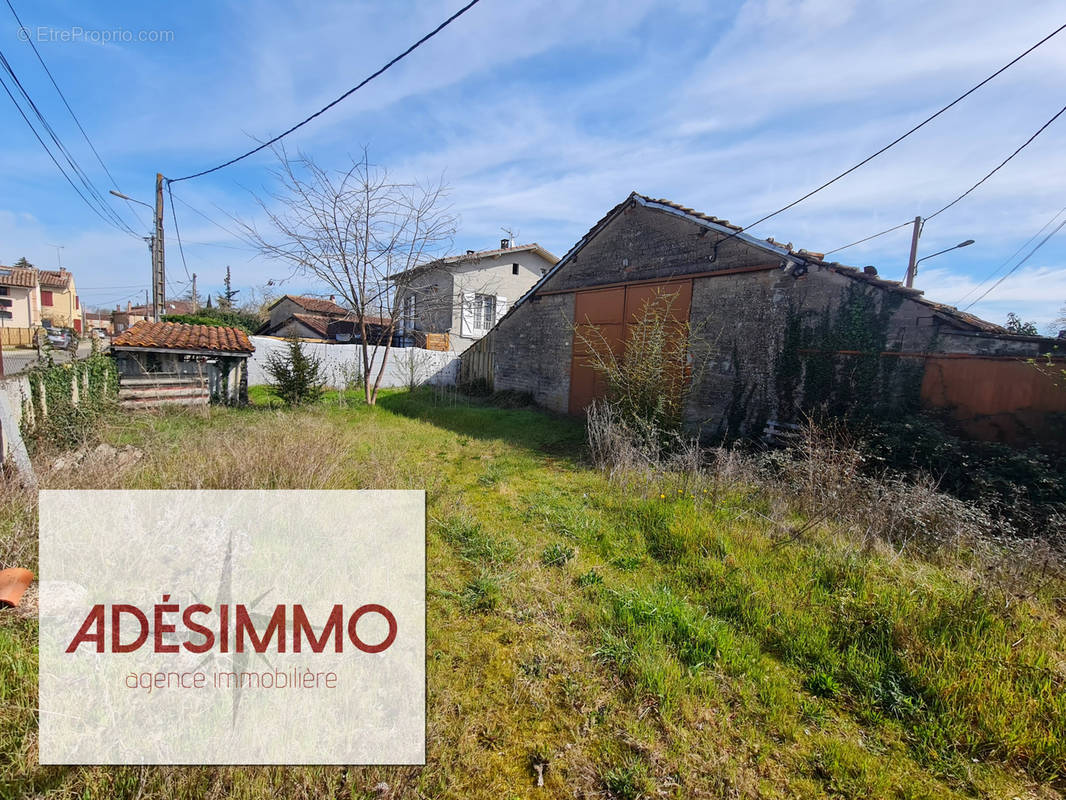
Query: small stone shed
787, 333
163, 363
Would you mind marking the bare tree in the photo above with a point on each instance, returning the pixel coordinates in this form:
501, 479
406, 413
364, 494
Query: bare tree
361, 233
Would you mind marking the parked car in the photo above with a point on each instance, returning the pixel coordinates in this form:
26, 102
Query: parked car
99, 333
61, 338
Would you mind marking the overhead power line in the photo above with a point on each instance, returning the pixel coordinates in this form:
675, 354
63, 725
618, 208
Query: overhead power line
1016, 267
97, 202
1012, 256
63, 97
1002, 164
344, 96
55, 161
868, 238
917, 127
174, 214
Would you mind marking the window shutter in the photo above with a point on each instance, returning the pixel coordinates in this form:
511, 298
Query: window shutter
501, 308
467, 314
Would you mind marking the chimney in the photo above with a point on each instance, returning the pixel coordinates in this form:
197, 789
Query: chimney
470, 252
505, 244
127, 306
332, 298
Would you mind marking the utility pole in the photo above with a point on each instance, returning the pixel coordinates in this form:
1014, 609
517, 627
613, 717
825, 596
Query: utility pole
912, 262
195, 297
158, 255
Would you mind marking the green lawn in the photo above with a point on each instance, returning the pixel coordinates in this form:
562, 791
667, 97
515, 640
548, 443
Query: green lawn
656, 643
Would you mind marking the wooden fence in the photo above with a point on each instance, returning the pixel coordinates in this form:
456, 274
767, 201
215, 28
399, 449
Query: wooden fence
476, 363
16, 337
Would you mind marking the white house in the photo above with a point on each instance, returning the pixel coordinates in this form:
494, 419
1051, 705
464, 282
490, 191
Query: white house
464, 295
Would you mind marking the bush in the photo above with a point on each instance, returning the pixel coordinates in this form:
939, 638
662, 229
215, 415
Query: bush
298, 378
219, 317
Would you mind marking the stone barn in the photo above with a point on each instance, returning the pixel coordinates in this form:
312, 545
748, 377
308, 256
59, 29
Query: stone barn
785, 332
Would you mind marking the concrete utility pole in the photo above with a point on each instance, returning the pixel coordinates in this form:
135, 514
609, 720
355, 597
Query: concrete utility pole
159, 291
912, 263
195, 297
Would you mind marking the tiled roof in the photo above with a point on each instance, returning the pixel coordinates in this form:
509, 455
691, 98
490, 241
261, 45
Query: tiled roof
316, 305
53, 279
948, 313
179, 336
463, 258
315, 322
17, 276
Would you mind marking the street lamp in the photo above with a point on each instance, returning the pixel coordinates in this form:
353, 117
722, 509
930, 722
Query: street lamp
914, 268
150, 240
124, 197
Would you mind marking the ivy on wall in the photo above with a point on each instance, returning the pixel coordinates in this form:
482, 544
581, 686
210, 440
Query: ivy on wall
836, 366
65, 399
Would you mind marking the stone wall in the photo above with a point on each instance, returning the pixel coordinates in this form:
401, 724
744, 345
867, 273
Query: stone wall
774, 346
532, 350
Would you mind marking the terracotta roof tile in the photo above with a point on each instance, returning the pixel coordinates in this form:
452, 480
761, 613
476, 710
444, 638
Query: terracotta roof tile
54, 279
315, 322
16, 276
179, 336
317, 305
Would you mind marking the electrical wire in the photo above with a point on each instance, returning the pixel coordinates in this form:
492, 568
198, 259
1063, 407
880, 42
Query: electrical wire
108, 213
899, 139
1012, 256
177, 232
1002, 164
55, 161
344, 96
63, 97
1016, 267
868, 238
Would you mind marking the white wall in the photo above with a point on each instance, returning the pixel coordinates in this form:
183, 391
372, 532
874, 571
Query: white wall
426, 366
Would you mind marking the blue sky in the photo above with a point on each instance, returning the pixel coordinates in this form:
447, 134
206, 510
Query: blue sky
543, 116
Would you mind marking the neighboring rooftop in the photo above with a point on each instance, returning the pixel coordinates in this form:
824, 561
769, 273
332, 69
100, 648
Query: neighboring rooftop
180, 336
316, 305
477, 255
17, 276
54, 279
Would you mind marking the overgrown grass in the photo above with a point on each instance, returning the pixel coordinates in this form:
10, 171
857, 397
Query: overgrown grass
652, 641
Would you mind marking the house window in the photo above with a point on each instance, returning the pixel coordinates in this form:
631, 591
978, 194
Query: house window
409, 312
3, 291
484, 311
46, 298
514, 269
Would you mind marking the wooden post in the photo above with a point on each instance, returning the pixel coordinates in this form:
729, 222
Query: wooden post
912, 263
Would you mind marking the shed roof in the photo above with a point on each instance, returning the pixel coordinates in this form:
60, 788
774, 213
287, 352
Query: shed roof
180, 336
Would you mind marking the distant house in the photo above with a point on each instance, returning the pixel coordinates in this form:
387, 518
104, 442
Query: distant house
465, 295
172, 362
19, 305
306, 317
60, 304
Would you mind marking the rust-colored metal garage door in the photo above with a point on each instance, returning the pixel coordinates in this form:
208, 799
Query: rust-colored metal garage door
602, 318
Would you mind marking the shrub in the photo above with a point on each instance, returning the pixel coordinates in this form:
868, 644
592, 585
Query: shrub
555, 555
649, 381
219, 317
297, 376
